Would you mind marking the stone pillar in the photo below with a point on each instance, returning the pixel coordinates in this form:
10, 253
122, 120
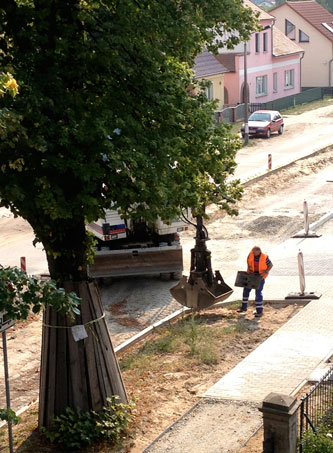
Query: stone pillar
280, 423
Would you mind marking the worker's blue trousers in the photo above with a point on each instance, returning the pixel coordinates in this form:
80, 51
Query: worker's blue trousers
259, 297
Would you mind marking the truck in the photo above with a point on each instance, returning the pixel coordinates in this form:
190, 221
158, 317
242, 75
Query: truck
128, 247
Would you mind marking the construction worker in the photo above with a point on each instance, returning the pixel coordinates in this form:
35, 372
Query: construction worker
258, 263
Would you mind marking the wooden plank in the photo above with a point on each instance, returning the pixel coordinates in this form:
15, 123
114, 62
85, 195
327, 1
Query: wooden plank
111, 362
76, 363
90, 351
61, 376
51, 368
43, 368
104, 378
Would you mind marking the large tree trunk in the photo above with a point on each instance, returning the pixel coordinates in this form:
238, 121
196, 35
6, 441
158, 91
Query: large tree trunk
77, 373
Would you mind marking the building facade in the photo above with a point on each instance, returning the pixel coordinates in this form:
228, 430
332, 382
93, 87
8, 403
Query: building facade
309, 25
272, 60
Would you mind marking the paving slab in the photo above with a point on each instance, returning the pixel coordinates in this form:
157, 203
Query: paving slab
284, 361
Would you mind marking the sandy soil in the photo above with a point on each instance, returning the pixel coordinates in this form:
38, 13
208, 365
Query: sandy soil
23, 350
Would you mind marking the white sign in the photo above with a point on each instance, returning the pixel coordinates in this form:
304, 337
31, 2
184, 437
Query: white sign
79, 332
5, 322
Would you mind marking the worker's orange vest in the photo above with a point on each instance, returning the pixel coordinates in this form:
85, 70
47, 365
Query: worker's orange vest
262, 263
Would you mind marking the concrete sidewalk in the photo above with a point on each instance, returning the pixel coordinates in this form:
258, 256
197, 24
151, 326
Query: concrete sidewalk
286, 360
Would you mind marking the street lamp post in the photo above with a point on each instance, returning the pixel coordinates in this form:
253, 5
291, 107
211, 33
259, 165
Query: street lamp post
246, 126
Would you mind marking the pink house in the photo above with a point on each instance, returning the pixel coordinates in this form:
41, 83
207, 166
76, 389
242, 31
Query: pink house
273, 64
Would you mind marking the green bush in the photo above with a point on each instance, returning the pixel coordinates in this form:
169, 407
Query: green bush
113, 421
76, 428
317, 443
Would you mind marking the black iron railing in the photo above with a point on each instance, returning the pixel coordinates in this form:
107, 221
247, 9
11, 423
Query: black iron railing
316, 406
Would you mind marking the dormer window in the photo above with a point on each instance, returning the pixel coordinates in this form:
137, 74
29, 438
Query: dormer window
303, 37
265, 44
290, 30
257, 42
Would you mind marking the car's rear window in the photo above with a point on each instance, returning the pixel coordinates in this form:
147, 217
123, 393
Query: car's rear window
260, 117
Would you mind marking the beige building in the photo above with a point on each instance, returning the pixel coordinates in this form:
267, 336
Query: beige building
209, 68
311, 26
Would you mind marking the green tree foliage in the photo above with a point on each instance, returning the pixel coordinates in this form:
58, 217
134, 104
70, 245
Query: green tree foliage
108, 111
327, 4
21, 294
279, 2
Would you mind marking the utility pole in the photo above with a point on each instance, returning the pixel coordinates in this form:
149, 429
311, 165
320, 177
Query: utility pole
246, 132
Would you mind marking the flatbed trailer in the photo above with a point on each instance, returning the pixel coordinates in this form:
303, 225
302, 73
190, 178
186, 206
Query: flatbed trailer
138, 261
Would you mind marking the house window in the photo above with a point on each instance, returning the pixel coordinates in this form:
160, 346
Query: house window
275, 88
265, 44
290, 30
209, 91
226, 96
289, 78
257, 43
261, 85
303, 37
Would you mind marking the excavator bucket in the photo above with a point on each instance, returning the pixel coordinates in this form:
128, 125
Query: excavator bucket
199, 295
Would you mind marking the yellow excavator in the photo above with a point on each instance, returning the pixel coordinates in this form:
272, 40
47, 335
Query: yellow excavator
202, 288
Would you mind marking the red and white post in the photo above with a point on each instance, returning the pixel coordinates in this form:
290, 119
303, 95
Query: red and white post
23, 263
269, 162
301, 272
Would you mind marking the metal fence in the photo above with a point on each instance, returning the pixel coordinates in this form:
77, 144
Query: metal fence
328, 91
236, 113
313, 94
231, 114
316, 406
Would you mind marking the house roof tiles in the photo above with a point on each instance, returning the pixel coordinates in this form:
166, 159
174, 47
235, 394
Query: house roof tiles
228, 60
206, 64
282, 45
313, 13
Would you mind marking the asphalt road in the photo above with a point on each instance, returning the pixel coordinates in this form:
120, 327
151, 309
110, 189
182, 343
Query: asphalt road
303, 134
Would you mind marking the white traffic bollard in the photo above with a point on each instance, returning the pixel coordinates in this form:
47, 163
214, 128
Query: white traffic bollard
306, 232
301, 272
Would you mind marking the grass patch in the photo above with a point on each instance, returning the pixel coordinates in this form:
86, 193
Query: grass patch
234, 305
308, 106
194, 338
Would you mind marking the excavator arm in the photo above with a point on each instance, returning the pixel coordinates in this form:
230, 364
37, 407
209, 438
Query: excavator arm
202, 288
